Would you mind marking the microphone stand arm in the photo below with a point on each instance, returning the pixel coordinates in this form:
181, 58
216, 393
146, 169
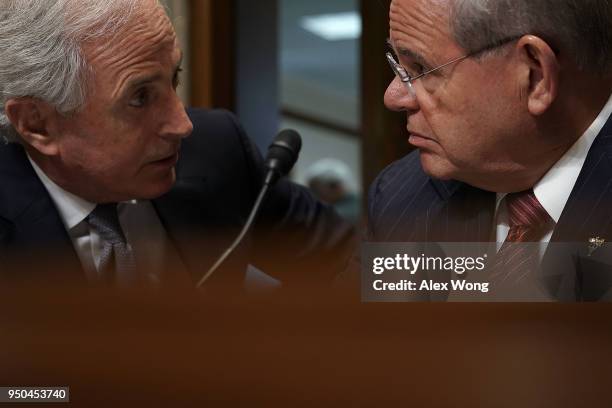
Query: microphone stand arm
270, 176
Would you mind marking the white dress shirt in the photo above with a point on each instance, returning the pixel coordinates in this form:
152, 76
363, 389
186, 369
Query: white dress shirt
139, 221
553, 190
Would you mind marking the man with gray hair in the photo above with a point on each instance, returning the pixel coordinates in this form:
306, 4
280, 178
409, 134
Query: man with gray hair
508, 104
99, 179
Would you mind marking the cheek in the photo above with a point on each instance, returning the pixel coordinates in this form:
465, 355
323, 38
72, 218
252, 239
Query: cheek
101, 156
469, 124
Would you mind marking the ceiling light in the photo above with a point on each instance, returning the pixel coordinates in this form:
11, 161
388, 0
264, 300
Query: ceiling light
334, 27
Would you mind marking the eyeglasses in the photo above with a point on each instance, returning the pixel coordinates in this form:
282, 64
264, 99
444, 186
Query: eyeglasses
408, 79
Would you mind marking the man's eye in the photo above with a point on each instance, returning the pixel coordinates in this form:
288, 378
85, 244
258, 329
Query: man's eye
412, 67
417, 69
176, 80
140, 99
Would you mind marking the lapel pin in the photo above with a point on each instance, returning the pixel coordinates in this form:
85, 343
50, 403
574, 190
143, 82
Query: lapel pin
594, 244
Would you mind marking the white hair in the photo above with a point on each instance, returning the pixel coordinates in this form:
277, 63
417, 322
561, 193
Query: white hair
580, 28
41, 52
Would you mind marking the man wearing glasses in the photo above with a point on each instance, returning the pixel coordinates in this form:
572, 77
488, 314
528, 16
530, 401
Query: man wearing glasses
508, 105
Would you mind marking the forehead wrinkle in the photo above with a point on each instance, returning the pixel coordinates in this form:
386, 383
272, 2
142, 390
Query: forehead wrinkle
128, 42
153, 71
125, 78
132, 50
135, 53
415, 29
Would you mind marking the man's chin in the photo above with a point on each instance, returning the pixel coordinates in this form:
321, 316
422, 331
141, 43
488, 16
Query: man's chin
436, 167
158, 188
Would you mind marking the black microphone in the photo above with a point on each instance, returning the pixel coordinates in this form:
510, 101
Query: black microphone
281, 157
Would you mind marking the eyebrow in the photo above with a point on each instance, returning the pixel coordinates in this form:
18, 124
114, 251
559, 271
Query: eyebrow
139, 81
408, 53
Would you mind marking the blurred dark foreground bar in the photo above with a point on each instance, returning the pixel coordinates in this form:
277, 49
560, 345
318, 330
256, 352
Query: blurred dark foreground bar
309, 347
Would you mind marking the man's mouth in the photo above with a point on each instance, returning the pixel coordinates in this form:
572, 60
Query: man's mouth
169, 160
419, 140
417, 134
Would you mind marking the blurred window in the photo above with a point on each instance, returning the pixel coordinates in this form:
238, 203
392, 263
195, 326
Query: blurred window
320, 83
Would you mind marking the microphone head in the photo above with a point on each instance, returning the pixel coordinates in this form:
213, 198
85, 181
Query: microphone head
283, 152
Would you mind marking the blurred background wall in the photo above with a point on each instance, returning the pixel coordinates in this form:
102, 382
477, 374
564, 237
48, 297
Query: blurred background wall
313, 65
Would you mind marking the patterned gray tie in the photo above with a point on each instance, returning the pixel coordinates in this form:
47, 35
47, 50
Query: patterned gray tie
117, 264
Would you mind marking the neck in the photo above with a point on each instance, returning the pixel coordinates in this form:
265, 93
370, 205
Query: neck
45, 163
573, 112
581, 100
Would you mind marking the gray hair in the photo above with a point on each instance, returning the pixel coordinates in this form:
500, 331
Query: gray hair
41, 49
581, 28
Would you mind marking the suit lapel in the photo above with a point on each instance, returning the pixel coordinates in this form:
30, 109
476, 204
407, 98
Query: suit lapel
467, 215
441, 211
32, 224
588, 209
573, 270
408, 217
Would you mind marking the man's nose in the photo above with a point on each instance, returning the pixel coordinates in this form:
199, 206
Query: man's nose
399, 98
178, 124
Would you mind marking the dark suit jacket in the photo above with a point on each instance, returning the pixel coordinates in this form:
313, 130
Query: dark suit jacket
219, 174
406, 205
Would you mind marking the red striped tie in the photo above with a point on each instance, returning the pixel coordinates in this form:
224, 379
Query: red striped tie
529, 222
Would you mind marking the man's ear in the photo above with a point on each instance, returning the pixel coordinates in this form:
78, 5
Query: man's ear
31, 118
543, 66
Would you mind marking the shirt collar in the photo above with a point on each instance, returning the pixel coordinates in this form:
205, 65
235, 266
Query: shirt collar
553, 190
72, 209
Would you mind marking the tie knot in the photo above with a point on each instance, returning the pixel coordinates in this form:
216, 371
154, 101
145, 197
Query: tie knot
105, 220
524, 210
